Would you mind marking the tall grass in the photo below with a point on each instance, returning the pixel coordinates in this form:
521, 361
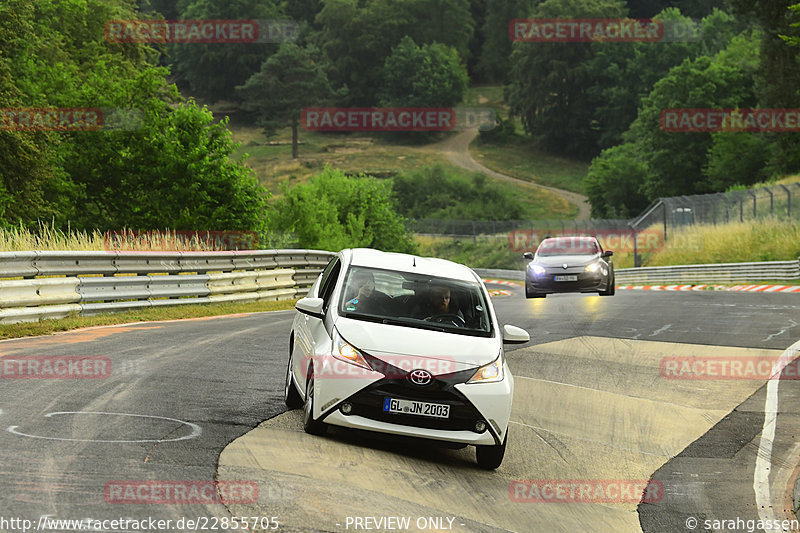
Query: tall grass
48, 237
732, 242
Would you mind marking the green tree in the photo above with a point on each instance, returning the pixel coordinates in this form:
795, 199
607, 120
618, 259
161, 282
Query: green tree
431, 75
676, 160
736, 158
357, 37
170, 169
289, 81
778, 76
332, 212
493, 63
614, 181
550, 82
624, 73
175, 172
213, 70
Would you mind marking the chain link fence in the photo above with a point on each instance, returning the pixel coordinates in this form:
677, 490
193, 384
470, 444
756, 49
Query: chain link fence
501, 229
780, 202
644, 234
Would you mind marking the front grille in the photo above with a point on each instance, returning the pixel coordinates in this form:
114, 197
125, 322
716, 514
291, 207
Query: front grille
368, 402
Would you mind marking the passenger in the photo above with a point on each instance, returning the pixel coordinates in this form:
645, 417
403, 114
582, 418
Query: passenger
363, 296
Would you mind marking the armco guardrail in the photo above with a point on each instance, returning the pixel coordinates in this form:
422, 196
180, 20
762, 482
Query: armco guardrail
57, 284
716, 273
683, 274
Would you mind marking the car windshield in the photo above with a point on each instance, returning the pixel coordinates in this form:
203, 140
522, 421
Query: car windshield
568, 246
415, 300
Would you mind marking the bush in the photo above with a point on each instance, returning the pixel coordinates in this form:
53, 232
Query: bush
332, 211
435, 192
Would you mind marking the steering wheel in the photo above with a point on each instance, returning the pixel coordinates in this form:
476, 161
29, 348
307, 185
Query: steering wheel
452, 318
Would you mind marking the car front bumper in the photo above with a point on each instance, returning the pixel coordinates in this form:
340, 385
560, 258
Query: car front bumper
469, 403
546, 284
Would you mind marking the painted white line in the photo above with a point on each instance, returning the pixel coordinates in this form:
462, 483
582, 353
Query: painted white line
661, 330
764, 456
196, 430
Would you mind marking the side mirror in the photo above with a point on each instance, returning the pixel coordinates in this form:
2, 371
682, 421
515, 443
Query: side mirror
528, 255
607, 253
311, 307
514, 335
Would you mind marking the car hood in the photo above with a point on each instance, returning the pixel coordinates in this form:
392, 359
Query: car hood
408, 346
571, 260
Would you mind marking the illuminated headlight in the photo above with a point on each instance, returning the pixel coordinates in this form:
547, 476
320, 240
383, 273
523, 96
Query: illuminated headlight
491, 373
593, 268
539, 270
347, 353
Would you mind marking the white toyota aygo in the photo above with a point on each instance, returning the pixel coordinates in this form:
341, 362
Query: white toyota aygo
405, 345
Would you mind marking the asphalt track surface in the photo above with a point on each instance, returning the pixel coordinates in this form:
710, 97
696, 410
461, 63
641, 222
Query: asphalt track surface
199, 400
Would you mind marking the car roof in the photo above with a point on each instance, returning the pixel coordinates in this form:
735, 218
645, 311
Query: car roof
570, 238
429, 266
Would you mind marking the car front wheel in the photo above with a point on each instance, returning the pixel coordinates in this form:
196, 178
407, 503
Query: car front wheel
314, 427
490, 457
611, 288
291, 396
532, 294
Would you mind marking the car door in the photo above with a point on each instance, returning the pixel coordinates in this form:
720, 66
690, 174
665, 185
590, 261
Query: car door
311, 333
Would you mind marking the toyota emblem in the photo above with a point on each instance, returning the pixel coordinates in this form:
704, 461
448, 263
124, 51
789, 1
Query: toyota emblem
564, 266
420, 377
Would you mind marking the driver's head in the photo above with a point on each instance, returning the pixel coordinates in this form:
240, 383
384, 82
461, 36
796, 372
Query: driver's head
439, 298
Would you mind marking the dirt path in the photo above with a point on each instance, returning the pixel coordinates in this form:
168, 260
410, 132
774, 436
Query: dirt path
457, 150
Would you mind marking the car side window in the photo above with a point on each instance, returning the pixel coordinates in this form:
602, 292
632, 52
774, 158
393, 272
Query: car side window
327, 285
326, 275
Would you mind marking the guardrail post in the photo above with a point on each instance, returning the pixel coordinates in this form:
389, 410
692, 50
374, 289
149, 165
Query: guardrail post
751, 193
664, 205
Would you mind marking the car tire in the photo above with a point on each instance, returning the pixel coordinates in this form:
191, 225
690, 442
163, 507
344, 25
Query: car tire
314, 427
611, 288
531, 294
490, 457
291, 396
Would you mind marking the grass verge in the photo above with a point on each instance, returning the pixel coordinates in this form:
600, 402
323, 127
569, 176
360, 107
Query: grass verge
732, 242
46, 327
517, 158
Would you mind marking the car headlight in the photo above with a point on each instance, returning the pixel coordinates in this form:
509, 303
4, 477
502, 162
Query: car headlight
539, 270
491, 373
344, 351
594, 267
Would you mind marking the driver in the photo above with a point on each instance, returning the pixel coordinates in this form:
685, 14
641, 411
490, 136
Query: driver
438, 303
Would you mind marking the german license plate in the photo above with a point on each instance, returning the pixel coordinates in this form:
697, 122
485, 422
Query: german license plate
573, 277
410, 407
